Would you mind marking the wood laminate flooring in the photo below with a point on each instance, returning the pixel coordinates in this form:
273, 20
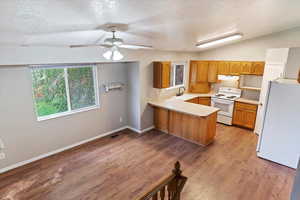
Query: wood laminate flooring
124, 167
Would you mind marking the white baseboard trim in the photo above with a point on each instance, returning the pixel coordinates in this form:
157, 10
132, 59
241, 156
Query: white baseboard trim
19, 164
141, 131
148, 129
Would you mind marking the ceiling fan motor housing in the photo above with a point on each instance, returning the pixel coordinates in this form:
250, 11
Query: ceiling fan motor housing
113, 41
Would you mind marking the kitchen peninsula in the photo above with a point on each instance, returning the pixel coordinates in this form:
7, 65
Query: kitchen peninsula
193, 122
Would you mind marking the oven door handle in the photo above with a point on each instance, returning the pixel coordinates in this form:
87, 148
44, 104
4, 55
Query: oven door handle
222, 102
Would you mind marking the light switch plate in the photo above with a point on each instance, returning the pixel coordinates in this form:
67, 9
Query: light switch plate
2, 156
1, 144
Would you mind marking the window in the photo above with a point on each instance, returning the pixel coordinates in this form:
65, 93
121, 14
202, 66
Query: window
177, 75
59, 91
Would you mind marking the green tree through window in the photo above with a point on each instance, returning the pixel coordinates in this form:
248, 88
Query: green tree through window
63, 90
81, 86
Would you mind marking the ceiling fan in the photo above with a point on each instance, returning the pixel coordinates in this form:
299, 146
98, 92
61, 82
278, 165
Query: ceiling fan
112, 44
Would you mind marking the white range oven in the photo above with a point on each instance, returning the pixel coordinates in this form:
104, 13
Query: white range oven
224, 100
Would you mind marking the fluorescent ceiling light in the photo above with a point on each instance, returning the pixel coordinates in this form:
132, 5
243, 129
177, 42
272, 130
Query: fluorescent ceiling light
220, 40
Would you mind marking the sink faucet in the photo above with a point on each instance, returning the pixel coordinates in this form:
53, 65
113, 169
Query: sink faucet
179, 93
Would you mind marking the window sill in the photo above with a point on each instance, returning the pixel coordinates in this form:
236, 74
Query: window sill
174, 87
53, 116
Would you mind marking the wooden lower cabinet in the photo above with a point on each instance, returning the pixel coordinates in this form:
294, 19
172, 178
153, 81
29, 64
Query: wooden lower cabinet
204, 101
175, 123
161, 119
200, 100
193, 100
200, 130
244, 115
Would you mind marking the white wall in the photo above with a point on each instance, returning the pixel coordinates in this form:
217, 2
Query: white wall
293, 64
25, 137
134, 95
146, 77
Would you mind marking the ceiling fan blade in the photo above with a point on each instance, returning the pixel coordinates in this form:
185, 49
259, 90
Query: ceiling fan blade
65, 39
135, 46
90, 45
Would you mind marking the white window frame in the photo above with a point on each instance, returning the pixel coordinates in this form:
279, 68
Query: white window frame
174, 75
70, 111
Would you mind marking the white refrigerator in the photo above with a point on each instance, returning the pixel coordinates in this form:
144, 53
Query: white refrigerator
279, 140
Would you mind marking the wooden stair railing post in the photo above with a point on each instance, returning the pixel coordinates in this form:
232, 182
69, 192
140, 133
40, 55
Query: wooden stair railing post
174, 184
177, 172
177, 184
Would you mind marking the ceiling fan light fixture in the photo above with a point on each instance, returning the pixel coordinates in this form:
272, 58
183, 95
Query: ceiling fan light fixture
117, 55
107, 54
113, 54
220, 40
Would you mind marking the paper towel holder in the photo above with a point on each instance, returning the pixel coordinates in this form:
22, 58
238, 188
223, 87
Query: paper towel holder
113, 86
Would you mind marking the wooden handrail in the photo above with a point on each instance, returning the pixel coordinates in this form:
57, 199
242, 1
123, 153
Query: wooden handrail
170, 186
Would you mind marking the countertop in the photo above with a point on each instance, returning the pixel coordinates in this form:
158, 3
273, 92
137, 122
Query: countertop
188, 96
243, 100
178, 104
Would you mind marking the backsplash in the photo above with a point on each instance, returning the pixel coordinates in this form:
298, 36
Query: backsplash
250, 94
224, 83
252, 80
164, 93
249, 80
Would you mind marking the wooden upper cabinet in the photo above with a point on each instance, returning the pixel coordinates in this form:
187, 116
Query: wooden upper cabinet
199, 88
240, 67
193, 71
213, 72
224, 68
235, 68
258, 68
246, 67
161, 74
202, 71
198, 82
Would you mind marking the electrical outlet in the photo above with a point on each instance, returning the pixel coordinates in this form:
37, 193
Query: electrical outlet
121, 119
2, 156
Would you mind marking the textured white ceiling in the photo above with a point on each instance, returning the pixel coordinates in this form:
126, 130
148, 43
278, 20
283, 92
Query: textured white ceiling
165, 24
